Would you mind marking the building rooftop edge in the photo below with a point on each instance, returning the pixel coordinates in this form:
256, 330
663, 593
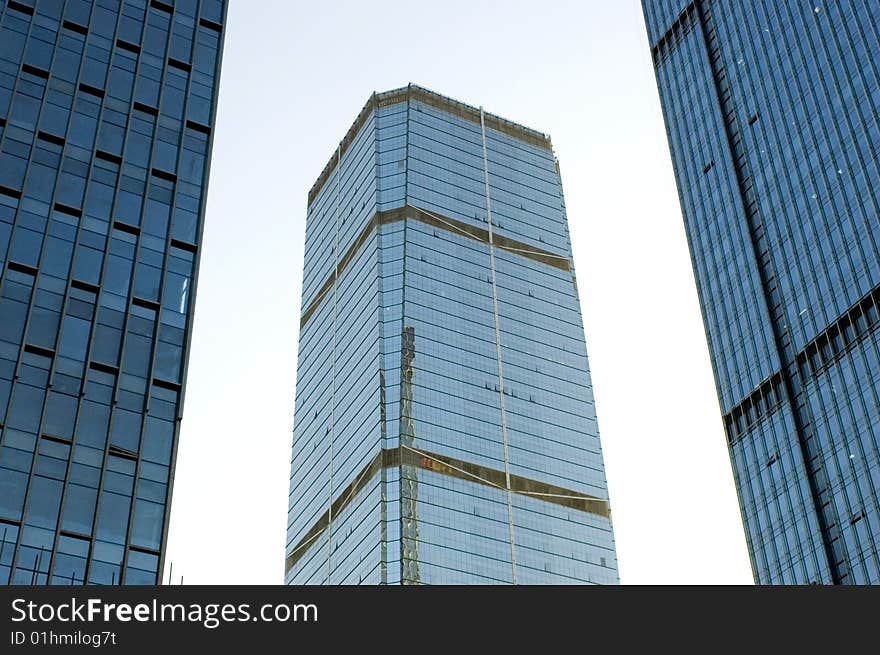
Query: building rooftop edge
415, 92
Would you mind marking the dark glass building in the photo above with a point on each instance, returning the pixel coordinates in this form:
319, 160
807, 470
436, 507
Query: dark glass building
773, 115
445, 430
106, 114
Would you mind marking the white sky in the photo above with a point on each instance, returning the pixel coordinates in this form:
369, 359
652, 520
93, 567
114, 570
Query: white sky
295, 75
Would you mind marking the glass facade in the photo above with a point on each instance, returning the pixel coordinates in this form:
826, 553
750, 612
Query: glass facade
445, 430
773, 116
106, 110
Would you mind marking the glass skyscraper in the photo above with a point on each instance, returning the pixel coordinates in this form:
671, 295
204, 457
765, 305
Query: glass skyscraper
773, 115
445, 430
106, 115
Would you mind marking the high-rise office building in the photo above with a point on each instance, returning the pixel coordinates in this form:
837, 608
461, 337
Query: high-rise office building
773, 115
106, 114
444, 430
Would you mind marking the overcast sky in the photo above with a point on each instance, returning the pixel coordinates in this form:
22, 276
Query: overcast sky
295, 75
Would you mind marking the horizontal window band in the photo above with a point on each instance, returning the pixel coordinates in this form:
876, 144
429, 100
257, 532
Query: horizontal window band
681, 26
457, 468
385, 458
848, 329
464, 470
125, 227
183, 245
52, 437
166, 384
130, 47
124, 453
39, 350
164, 175
152, 111
20, 6
378, 218
67, 209
51, 138
84, 286
839, 337
104, 368
108, 156
146, 303
479, 234
761, 402
33, 70
75, 27
180, 65
22, 268
162, 6
91, 90
440, 222
211, 25
12, 193
198, 127
444, 104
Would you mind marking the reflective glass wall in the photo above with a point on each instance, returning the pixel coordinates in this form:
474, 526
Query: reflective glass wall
106, 114
445, 430
773, 115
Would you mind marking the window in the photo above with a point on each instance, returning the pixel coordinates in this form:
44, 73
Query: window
126, 429
94, 419
158, 439
79, 508
60, 415
44, 502
25, 408
142, 567
13, 485
146, 529
70, 561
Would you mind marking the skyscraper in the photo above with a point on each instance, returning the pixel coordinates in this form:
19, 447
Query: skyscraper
106, 115
773, 115
444, 430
